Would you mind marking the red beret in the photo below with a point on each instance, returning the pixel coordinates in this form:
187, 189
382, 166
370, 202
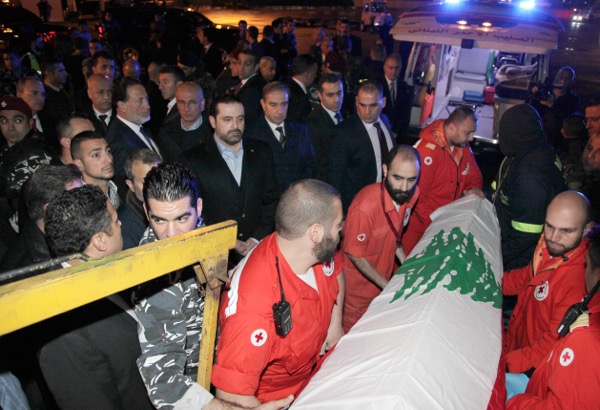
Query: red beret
8, 102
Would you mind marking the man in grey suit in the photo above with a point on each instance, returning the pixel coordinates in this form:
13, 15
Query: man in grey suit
360, 144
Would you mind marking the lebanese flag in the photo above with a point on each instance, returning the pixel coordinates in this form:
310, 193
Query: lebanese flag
433, 338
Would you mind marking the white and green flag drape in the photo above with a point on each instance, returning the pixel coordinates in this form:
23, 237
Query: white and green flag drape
433, 338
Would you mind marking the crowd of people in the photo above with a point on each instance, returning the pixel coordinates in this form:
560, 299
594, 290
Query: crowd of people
100, 155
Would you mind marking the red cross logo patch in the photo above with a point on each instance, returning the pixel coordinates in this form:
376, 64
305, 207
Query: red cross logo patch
361, 237
258, 337
541, 291
566, 357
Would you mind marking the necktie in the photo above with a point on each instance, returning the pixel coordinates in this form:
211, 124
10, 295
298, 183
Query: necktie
148, 140
282, 138
393, 92
382, 142
236, 90
338, 117
102, 119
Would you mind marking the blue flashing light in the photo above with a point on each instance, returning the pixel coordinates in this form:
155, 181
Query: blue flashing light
527, 5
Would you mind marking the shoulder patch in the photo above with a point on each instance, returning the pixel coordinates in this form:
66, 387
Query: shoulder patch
430, 145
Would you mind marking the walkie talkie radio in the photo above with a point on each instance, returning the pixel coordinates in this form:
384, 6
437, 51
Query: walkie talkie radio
574, 312
282, 311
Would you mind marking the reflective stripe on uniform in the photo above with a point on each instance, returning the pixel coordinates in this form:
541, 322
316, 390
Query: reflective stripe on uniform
527, 228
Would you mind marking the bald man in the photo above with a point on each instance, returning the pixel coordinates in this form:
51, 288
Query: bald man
100, 90
132, 68
550, 284
178, 136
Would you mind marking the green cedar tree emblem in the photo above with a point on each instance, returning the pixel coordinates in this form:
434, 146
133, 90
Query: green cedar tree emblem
457, 259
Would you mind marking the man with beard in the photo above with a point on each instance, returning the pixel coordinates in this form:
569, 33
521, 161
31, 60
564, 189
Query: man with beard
449, 169
550, 284
257, 359
373, 230
91, 154
125, 133
172, 305
236, 176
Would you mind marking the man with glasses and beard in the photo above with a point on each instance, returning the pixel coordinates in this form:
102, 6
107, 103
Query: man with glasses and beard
260, 357
371, 247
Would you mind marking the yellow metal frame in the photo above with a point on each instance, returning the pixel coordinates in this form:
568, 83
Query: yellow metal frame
31, 300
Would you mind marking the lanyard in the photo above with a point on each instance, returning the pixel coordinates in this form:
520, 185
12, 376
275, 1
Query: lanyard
388, 219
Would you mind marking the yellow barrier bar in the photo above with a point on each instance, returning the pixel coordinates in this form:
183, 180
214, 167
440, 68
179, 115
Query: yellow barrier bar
34, 299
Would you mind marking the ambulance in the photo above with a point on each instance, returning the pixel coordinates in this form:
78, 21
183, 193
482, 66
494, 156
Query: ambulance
482, 55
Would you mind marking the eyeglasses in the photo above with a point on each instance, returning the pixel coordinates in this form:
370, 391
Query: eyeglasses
591, 119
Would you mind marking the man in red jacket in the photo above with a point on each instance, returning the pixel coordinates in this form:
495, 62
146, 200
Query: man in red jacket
553, 281
379, 212
449, 170
569, 376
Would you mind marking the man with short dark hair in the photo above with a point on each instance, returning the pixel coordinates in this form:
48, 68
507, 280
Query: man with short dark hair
90, 354
169, 77
23, 152
58, 101
304, 72
92, 155
236, 177
449, 169
126, 132
173, 303
252, 38
289, 140
360, 144
46, 183
131, 213
255, 362
211, 54
371, 248
324, 117
103, 62
191, 129
66, 129
249, 90
546, 287
344, 37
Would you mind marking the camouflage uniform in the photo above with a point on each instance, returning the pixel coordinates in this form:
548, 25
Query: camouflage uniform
169, 311
18, 163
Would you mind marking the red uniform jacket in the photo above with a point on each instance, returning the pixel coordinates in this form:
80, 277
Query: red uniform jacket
569, 376
546, 288
445, 175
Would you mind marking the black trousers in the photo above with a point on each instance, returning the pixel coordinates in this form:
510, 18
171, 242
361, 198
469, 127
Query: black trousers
91, 363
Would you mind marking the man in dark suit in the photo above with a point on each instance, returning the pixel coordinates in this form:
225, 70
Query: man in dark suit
289, 140
179, 136
323, 119
249, 89
360, 143
236, 177
304, 72
169, 77
397, 93
125, 133
58, 101
268, 44
344, 37
100, 111
212, 56
158, 106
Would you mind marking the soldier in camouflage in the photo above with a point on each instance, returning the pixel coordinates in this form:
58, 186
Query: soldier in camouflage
22, 152
169, 309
